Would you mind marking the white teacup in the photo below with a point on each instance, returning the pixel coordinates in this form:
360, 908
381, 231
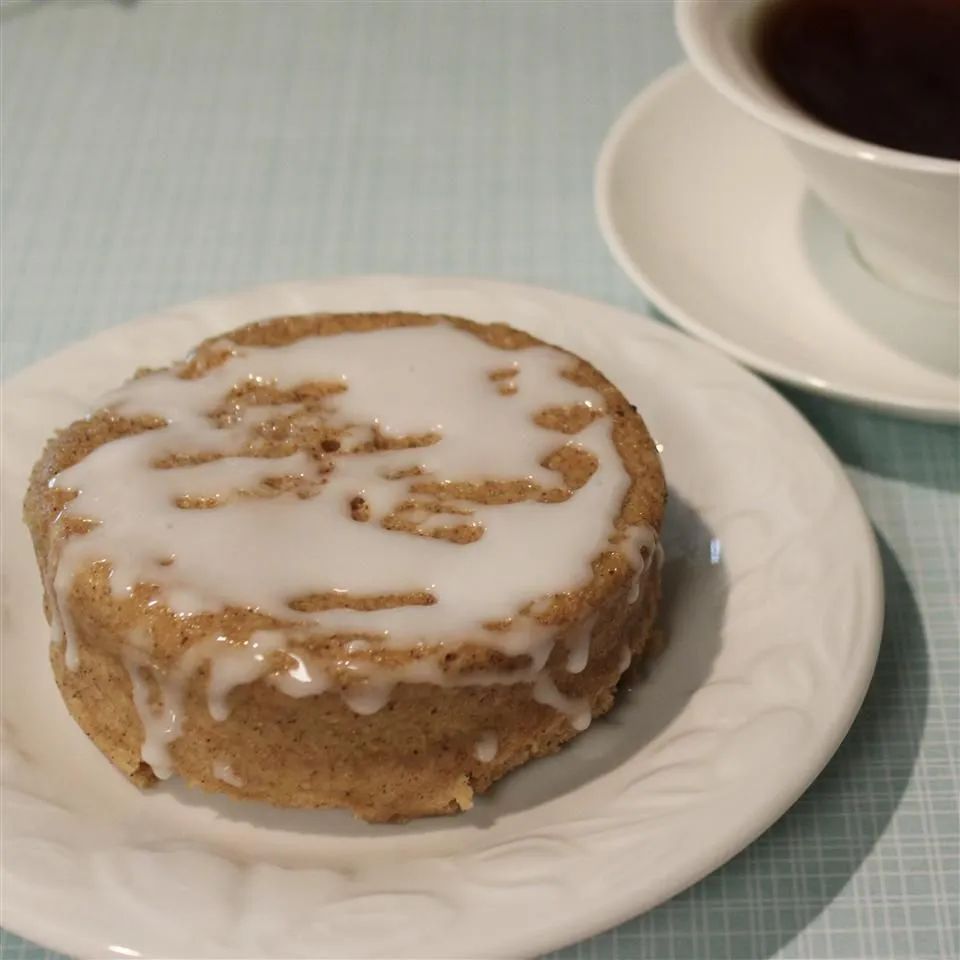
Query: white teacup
902, 209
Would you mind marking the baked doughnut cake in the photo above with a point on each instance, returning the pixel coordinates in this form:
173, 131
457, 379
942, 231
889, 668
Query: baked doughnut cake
371, 561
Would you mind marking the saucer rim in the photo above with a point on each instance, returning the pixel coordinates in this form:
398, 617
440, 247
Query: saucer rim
903, 406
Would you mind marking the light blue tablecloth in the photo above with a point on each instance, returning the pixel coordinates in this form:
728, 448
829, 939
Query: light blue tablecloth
157, 151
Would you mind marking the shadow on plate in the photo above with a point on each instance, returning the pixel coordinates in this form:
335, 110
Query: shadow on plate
640, 714
763, 898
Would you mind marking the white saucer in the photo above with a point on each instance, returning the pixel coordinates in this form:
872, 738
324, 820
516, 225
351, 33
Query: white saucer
707, 213
773, 604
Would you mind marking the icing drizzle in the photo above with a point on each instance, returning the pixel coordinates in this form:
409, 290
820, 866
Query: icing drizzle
433, 504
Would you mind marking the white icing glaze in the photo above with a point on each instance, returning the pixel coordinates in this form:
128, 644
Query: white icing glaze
264, 552
638, 546
626, 655
576, 709
223, 771
58, 636
486, 747
236, 664
579, 646
300, 680
161, 721
241, 553
367, 697
231, 665
62, 626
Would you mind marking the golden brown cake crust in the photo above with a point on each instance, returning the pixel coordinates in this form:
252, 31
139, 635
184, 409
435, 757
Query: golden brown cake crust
416, 755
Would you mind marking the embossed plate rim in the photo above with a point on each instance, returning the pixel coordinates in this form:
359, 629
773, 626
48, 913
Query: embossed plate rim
536, 877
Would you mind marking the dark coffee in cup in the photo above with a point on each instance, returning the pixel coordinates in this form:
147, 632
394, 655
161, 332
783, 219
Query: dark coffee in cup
885, 71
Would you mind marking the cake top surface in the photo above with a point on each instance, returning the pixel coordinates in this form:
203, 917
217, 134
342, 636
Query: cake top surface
415, 482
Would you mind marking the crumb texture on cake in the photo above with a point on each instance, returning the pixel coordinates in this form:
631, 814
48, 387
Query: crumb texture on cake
372, 561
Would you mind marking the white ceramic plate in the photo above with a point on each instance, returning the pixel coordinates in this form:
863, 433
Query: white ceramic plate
773, 605
707, 213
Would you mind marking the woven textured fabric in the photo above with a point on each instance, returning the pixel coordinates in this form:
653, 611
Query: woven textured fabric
154, 152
